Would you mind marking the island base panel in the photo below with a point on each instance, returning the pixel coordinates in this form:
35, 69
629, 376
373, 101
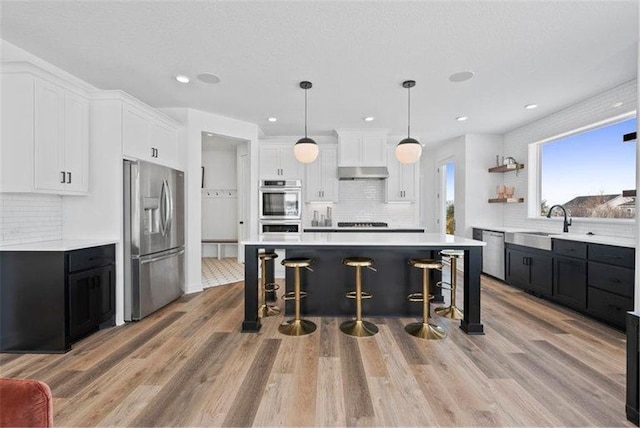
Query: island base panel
390, 284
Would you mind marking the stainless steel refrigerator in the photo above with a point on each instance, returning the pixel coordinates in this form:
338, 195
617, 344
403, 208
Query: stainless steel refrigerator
153, 237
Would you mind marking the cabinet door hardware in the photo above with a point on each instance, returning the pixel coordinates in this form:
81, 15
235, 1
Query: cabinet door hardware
63, 177
615, 280
69, 177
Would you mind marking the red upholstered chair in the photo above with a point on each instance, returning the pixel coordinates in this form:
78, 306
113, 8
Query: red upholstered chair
25, 403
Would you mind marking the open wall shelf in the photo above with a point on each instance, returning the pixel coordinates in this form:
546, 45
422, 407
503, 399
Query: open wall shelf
507, 168
506, 200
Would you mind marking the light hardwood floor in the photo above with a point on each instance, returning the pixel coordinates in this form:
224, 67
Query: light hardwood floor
188, 365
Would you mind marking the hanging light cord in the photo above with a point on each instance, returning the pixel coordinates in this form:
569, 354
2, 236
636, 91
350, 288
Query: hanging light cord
409, 113
305, 113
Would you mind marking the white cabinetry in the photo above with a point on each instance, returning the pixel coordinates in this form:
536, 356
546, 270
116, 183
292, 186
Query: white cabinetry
321, 176
45, 133
362, 148
277, 161
148, 137
402, 184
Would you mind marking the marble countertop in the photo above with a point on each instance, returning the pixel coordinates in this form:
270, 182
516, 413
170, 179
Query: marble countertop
362, 229
362, 239
59, 245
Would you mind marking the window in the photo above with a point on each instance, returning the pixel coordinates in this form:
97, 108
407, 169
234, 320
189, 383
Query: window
588, 171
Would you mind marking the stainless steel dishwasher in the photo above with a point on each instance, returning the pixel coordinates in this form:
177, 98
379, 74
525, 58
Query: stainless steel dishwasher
493, 254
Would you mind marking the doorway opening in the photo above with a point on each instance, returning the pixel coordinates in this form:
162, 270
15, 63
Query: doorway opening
447, 201
223, 205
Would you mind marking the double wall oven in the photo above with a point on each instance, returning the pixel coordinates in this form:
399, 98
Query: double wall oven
280, 206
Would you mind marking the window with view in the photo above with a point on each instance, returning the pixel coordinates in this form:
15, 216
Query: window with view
591, 173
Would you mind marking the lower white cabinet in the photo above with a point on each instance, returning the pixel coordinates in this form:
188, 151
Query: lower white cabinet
321, 176
402, 184
45, 133
147, 137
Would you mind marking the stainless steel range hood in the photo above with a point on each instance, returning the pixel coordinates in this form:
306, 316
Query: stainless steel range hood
363, 173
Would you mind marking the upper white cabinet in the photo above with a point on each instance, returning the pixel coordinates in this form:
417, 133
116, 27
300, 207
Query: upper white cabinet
147, 137
277, 161
402, 184
321, 176
45, 133
362, 148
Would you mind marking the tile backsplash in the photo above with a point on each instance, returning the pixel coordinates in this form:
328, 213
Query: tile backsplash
30, 218
363, 200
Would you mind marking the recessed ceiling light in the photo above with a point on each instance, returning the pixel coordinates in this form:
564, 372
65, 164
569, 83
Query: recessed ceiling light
182, 78
209, 78
209, 134
531, 106
461, 76
461, 118
272, 119
369, 119
618, 104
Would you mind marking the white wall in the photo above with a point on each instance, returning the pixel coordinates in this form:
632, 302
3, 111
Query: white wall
516, 143
219, 197
480, 184
196, 122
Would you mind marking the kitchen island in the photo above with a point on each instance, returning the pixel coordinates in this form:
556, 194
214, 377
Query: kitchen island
390, 285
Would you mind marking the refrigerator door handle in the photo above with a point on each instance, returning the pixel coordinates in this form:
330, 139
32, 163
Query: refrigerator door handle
169, 205
163, 208
158, 258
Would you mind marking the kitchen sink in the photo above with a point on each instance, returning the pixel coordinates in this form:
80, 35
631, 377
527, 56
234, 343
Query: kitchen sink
540, 240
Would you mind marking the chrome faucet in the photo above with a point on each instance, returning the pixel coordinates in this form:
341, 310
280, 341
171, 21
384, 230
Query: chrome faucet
566, 223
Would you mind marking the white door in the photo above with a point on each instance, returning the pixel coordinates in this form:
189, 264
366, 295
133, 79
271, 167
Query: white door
76, 143
49, 137
290, 168
164, 139
328, 164
270, 162
135, 133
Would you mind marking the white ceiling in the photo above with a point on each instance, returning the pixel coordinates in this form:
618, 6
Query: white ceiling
356, 53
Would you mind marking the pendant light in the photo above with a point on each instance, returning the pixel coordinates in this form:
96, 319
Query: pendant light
409, 149
305, 150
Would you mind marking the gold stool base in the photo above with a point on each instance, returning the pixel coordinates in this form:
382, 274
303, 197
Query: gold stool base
425, 331
297, 327
359, 328
450, 312
268, 311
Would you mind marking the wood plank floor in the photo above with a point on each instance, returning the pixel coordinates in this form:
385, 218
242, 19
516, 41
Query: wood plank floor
188, 365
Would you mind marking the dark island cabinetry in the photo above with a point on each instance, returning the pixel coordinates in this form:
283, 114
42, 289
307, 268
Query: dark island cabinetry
51, 299
529, 269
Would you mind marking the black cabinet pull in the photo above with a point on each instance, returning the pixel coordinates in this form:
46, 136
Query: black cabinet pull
617, 308
69, 177
615, 280
63, 177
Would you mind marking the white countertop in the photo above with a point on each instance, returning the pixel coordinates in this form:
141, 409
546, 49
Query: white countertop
358, 239
60, 245
581, 237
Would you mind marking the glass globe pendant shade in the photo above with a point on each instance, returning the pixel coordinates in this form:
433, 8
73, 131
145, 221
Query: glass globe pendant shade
305, 150
408, 151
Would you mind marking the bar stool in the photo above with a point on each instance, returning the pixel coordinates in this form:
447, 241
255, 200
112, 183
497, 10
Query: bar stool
358, 327
267, 310
423, 329
296, 326
451, 311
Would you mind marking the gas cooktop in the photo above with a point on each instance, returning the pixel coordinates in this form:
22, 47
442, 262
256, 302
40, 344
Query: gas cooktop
362, 224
